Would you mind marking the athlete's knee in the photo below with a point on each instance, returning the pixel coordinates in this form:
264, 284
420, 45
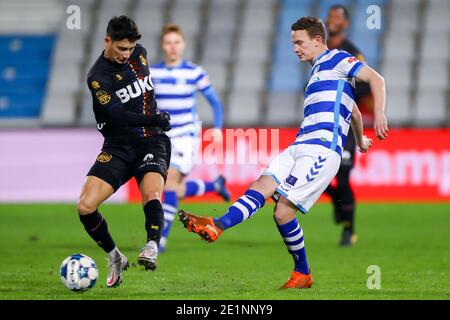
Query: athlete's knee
264, 185
150, 195
284, 211
85, 207
174, 179
172, 185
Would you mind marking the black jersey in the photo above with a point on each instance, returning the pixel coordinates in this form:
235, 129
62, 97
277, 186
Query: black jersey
123, 98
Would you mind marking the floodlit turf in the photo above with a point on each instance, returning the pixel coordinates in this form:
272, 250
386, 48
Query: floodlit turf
409, 242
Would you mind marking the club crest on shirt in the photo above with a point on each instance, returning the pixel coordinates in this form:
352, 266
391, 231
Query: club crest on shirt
103, 97
143, 60
104, 157
119, 77
95, 85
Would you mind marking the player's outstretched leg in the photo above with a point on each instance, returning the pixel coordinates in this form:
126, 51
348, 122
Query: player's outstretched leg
210, 229
292, 235
196, 188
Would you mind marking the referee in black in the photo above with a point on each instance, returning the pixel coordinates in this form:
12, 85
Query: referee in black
135, 143
342, 195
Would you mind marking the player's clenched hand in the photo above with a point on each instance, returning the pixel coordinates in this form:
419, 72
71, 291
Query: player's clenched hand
162, 120
365, 144
380, 126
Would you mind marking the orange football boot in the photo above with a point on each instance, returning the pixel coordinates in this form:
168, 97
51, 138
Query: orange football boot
203, 226
298, 281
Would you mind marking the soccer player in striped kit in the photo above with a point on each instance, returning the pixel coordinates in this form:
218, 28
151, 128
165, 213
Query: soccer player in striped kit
300, 174
176, 83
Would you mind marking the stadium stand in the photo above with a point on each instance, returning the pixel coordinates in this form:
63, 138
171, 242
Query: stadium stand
26, 42
243, 44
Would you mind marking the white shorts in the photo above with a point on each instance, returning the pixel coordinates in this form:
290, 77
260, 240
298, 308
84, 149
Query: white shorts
303, 172
184, 151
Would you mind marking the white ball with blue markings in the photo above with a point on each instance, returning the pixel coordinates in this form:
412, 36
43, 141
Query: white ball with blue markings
79, 272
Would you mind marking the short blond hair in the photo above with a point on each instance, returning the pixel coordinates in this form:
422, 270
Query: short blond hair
171, 28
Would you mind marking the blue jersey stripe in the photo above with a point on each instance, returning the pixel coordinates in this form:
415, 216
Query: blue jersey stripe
201, 76
326, 144
333, 62
340, 89
355, 69
319, 126
329, 85
192, 134
173, 81
174, 96
325, 106
182, 124
177, 111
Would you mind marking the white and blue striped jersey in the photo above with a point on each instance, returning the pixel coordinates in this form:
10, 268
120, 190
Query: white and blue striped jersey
329, 100
175, 90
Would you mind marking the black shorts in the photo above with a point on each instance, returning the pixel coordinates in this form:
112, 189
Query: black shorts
117, 163
348, 154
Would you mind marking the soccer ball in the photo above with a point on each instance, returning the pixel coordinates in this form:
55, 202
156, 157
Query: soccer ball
78, 272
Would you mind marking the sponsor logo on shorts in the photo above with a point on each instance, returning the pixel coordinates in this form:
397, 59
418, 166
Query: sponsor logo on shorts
291, 180
148, 157
149, 163
104, 157
103, 97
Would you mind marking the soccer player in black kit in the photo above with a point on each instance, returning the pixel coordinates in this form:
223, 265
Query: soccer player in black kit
342, 195
135, 143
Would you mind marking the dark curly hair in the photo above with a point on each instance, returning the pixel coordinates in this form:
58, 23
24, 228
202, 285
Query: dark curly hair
122, 27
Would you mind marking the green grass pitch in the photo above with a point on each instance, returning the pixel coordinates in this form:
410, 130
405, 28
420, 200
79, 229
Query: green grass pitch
409, 242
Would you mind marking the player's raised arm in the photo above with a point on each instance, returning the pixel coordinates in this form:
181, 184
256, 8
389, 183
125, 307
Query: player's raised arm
362, 141
377, 86
112, 107
204, 85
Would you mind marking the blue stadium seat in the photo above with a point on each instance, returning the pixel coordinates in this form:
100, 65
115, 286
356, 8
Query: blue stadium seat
286, 78
24, 69
12, 106
286, 74
325, 5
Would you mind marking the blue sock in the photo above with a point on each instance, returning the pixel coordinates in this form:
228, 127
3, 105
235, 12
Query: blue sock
170, 206
198, 187
242, 209
293, 238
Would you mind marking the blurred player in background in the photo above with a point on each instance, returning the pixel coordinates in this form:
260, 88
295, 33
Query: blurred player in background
176, 84
135, 143
341, 194
302, 172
